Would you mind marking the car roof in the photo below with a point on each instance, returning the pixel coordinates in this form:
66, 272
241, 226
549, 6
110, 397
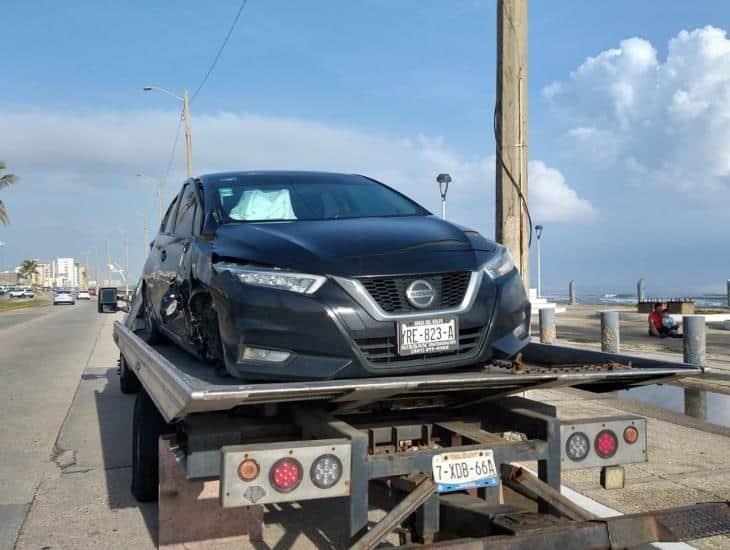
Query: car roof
300, 175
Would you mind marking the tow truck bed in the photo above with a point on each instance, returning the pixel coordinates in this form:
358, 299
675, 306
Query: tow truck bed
181, 385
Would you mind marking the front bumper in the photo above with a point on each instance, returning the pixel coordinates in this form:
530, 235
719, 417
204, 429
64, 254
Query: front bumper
331, 335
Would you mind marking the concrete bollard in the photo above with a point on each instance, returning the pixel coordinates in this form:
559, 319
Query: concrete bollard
694, 343
571, 293
695, 403
547, 325
640, 290
610, 339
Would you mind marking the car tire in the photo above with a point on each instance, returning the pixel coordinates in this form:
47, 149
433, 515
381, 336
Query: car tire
213, 347
128, 381
149, 333
147, 427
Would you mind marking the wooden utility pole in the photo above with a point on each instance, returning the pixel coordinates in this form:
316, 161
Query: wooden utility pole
512, 228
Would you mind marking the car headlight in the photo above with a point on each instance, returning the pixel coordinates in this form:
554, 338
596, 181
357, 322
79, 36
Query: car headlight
301, 283
500, 264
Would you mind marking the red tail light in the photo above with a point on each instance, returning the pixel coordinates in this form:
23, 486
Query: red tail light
606, 444
286, 475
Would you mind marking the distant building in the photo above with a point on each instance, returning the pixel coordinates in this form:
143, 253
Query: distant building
82, 277
8, 277
65, 273
42, 276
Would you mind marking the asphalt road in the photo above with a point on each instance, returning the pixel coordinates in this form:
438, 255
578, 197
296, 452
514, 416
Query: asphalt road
17, 316
47, 355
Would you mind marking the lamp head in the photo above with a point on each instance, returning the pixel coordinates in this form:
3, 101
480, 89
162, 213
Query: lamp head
443, 181
538, 231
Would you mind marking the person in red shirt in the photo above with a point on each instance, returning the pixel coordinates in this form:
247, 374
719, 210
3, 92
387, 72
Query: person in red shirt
655, 320
657, 325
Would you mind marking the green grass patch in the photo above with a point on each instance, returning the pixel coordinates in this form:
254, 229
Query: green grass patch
12, 305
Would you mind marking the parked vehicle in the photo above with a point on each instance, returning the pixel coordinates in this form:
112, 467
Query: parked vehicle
83, 295
107, 301
16, 293
305, 275
63, 297
28, 293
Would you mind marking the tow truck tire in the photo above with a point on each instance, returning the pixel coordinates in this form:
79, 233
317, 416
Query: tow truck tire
148, 425
128, 381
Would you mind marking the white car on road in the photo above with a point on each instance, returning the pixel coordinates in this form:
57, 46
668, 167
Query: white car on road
63, 297
83, 295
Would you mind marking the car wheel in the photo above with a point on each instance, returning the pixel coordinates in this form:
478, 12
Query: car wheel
128, 381
149, 333
147, 427
212, 344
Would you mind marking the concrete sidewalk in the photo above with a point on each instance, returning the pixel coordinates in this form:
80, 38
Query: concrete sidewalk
688, 458
581, 325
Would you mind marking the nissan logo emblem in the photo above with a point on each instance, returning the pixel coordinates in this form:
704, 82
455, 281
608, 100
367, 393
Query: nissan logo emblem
420, 294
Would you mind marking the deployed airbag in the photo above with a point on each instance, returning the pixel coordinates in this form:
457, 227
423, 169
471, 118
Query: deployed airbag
258, 205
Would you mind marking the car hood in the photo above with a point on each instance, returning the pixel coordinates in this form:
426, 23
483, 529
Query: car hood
352, 247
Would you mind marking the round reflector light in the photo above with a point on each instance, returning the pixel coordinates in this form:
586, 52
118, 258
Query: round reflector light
577, 446
631, 435
286, 475
248, 470
326, 471
606, 444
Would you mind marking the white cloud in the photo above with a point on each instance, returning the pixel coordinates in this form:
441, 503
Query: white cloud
94, 150
666, 122
552, 199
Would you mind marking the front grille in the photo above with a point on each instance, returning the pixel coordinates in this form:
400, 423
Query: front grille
390, 292
385, 350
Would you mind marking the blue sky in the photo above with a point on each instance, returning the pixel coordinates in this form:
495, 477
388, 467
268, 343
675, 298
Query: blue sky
400, 90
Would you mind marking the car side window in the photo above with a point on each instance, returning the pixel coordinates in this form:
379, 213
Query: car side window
186, 212
169, 219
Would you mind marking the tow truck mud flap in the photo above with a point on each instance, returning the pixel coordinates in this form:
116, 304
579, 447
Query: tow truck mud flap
283, 472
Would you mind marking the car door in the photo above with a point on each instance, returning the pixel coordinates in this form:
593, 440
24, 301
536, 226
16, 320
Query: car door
157, 268
178, 249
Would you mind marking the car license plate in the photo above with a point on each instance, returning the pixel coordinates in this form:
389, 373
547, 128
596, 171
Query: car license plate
425, 336
465, 470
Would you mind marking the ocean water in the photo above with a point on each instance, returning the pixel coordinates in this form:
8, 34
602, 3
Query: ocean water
709, 300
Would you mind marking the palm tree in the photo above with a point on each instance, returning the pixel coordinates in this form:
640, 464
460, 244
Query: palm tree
28, 268
6, 180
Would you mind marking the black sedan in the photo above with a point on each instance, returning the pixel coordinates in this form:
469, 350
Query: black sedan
304, 275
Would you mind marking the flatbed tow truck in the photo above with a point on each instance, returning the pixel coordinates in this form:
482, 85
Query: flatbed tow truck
443, 450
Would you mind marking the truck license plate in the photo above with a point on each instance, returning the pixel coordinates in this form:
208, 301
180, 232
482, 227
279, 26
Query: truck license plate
465, 470
425, 336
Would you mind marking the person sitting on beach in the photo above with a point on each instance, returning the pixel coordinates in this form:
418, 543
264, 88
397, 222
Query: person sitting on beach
661, 323
669, 325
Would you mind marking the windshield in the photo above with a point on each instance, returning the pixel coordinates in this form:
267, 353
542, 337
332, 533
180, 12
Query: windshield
280, 197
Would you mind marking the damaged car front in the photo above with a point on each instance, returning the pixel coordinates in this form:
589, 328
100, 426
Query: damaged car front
298, 275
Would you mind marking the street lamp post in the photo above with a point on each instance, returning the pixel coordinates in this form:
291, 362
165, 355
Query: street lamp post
146, 238
538, 233
2, 256
186, 119
443, 181
158, 191
126, 264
